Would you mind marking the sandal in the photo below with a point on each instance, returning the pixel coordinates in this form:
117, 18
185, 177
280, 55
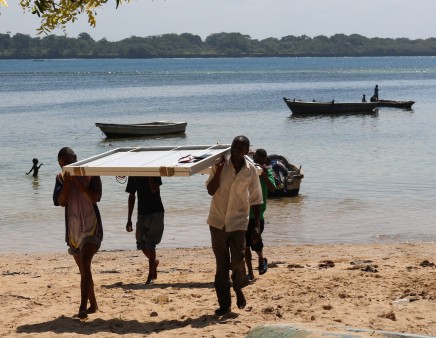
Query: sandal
263, 267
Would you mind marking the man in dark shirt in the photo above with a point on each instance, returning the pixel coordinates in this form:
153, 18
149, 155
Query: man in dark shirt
150, 222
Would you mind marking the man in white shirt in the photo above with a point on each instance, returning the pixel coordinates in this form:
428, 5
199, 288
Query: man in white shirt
234, 185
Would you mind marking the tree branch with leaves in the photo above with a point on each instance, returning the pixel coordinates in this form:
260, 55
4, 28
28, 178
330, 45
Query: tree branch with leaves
58, 13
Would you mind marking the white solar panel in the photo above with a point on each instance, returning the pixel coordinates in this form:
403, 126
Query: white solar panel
152, 161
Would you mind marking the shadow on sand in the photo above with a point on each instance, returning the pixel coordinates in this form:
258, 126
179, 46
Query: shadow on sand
119, 325
143, 286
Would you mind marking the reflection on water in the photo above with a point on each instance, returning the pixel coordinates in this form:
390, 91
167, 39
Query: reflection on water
317, 116
35, 183
106, 141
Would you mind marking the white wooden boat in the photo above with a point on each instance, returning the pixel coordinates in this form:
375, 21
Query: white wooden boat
117, 130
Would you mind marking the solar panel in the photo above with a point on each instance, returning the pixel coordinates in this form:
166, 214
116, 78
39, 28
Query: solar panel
151, 161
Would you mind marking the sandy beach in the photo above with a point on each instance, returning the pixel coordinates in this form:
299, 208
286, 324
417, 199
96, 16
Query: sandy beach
388, 287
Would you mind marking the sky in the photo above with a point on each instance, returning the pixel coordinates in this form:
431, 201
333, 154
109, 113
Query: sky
260, 19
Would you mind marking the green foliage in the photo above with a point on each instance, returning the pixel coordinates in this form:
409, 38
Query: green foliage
58, 13
215, 45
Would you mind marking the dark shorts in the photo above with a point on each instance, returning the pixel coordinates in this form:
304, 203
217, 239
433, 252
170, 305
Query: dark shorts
149, 230
90, 239
249, 234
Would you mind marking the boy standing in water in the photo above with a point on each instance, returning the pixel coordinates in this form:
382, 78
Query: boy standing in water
84, 231
35, 168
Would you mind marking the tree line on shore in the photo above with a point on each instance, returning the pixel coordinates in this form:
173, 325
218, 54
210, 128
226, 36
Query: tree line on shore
21, 46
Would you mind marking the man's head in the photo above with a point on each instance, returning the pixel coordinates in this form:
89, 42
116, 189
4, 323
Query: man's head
240, 147
260, 156
66, 156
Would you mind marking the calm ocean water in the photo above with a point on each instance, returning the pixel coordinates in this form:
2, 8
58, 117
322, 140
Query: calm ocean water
368, 178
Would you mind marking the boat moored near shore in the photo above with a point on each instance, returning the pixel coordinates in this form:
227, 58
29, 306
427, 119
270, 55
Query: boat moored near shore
395, 104
331, 107
117, 130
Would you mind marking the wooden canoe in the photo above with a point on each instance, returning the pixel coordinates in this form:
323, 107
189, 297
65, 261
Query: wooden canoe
332, 107
395, 104
117, 130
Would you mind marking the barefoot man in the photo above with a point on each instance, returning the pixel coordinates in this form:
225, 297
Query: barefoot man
150, 221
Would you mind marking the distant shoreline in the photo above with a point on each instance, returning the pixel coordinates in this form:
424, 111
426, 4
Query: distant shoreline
218, 45
208, 57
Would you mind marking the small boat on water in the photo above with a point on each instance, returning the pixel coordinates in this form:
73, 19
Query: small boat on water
395, 104
287, 175
331, 107
117, 130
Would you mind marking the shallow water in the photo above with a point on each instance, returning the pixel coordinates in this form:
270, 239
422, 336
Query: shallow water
368, 178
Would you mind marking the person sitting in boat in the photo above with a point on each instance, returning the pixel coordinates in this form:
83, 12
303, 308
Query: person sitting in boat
281, 172
364, 98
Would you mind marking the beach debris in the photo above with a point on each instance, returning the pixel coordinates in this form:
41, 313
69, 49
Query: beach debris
110, 271
162, 299
326, 264
363, 265
427, 264
402, 301
154, 314
295, 266
389, 315
360, 262
327, 307
271, 310
370, 268
343, 294
273, 264
21, 297
12, 273
412, 296
268, 309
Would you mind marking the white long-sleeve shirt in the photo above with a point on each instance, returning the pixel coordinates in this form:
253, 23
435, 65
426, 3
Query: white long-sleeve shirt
230, 205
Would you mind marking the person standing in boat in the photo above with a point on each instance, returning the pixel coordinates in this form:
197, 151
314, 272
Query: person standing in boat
375, 96
364, 98
253, 240
150, 220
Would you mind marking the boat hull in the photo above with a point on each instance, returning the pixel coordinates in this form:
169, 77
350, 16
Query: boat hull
302, 107
395, 104
113, 130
